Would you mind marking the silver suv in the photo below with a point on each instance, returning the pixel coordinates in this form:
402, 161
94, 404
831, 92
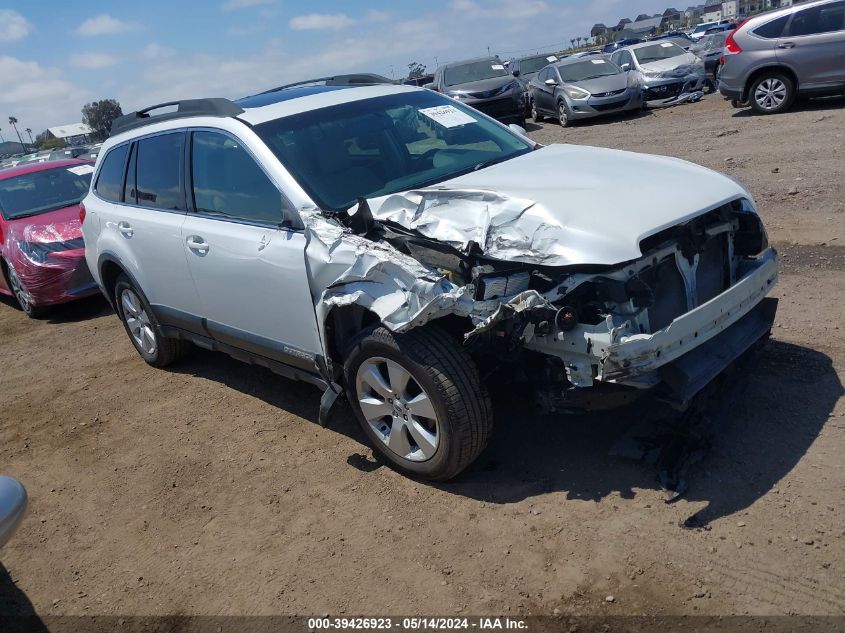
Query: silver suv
772, 58
387, 242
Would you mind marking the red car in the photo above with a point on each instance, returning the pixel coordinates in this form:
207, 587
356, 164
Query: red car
42, 254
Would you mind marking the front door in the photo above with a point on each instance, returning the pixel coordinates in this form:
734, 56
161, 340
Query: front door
249, 273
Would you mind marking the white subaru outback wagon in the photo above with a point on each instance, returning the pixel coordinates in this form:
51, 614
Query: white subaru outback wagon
390, 242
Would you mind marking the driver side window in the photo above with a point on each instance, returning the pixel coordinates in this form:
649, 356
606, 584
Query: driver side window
228, 183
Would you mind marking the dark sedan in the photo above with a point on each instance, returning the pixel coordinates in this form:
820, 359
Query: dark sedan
485, 85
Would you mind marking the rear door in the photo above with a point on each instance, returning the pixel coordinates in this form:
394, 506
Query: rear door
249, 272
142, 207
814, 45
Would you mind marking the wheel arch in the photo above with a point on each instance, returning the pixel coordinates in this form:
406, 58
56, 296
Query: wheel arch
770, 68
110, 268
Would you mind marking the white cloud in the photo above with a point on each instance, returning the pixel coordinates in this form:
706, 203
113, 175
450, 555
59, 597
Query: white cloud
103, 24
335, 21
37, 95
93, 61
321, 21
13, 26
154, 50
233, 5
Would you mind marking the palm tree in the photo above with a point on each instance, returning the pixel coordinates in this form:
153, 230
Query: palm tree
1, 137
28, 131
12, 121
572, 42
578, 39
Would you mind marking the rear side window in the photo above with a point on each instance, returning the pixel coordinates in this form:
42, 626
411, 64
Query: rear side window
824, 18
110, 180
159, 172
227, 182
772, 30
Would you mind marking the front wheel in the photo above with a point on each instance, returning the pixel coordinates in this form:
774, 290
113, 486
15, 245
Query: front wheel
771, 93
419, 400
22, 295
144, 331
563, 114
535, 113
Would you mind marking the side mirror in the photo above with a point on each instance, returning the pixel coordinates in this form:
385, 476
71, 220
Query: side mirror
516, 73
429, 86
518, 129
625, 67
550, 82
13, 502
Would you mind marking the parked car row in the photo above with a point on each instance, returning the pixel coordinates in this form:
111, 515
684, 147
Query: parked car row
82, 152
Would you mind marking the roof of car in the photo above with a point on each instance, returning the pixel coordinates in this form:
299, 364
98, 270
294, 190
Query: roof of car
273, 104
20, 170
633, 47
472, 61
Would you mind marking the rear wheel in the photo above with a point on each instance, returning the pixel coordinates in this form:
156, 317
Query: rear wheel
419, 400
22, 295
143, 329
771, 93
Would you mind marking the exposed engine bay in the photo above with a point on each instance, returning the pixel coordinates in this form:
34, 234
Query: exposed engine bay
561, 328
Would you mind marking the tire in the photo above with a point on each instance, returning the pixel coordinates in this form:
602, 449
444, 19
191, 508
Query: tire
21, 295
535, 113
143, 329
771, 93
563, 114
443, 418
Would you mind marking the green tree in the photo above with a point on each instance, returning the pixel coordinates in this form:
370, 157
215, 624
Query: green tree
416, 70
99, 116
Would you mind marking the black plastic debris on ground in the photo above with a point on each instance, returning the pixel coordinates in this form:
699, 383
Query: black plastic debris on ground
673, 442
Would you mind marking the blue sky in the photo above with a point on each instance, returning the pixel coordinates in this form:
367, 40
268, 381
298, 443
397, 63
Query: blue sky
57, 55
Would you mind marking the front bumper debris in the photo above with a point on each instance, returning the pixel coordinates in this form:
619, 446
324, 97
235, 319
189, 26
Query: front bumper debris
643, 353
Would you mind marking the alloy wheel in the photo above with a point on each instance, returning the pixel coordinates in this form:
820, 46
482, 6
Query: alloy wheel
397, 408
563, 115
20, 291
138, 322
770, 93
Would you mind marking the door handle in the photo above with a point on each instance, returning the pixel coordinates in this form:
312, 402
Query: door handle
125, 229
787, 45
197, 244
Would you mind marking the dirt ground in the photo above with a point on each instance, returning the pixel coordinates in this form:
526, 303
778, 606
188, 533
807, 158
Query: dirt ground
208, 488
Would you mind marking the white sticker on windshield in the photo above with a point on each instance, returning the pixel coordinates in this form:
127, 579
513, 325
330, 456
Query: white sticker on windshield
497, 67
597, 61
81, 170
447, 116
551, 58
667, 45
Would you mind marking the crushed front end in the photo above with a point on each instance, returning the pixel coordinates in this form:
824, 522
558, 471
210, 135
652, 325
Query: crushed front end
672, 320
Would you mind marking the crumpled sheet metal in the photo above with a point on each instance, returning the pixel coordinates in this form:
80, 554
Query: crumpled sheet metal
504, 228
354, 270
39, 256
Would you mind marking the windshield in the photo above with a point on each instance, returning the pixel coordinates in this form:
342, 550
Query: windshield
657, 52
473, 71
375, 147
588, 69
535, 64
43, 191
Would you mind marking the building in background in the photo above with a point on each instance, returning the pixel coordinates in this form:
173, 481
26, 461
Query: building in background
72, 133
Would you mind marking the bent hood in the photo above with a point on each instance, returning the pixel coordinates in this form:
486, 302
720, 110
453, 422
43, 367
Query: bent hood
561, 205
